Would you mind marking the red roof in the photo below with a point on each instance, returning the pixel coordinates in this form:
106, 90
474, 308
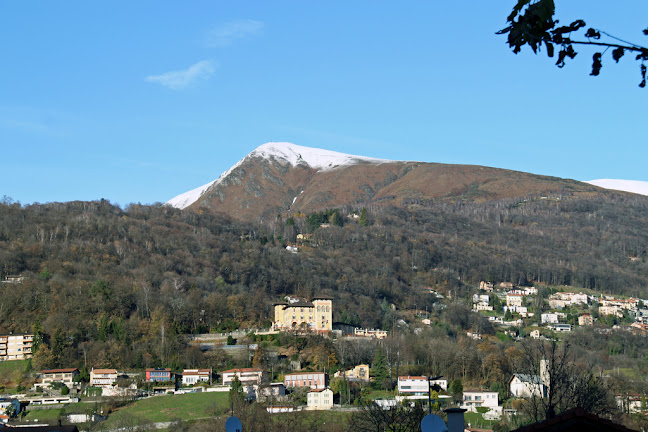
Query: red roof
243, 370
68, 370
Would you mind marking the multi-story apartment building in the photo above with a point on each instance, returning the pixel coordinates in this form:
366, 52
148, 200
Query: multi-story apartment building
299, 314
159, 375
103, 377
16, 346
314, 380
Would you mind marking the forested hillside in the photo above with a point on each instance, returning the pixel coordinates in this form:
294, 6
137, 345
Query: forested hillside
116, 287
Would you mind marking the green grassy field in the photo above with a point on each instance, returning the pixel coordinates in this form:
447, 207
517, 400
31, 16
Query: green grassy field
49, 416
172, 407
477, 421
7, 367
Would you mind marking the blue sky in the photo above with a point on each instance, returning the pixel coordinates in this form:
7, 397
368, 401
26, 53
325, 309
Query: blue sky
141, 101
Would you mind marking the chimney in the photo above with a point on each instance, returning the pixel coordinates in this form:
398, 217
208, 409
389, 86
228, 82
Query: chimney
455, 419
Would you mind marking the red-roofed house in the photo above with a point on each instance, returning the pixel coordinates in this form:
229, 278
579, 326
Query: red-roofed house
194, 376
64, 376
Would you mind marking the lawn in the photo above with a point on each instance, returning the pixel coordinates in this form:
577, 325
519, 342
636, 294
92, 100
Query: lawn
7, 367
172, 407
49, 416
477, 421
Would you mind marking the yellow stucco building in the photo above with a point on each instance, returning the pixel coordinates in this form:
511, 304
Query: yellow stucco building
300, 314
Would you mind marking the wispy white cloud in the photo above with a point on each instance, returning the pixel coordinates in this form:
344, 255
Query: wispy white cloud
227, 33
178, 80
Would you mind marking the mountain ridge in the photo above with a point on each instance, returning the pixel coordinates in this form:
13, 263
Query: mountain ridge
280, 177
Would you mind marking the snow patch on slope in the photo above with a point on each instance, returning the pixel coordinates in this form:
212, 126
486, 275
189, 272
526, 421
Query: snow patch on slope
634, 186
320, 159
184, 200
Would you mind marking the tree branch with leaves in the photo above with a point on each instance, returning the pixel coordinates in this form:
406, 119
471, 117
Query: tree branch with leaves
532, 23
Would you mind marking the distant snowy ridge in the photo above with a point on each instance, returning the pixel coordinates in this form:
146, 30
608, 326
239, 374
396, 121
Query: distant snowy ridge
320, 159
634, 186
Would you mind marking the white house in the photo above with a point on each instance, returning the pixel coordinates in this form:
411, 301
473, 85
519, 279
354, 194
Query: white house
549, 318
440, 381
561, 327
195, 376
473, 399
247, 376
7, 404
523, 385
413, 385
320, 399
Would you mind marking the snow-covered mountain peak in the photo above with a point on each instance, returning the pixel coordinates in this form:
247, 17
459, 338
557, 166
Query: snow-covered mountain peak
634, 186
320, 159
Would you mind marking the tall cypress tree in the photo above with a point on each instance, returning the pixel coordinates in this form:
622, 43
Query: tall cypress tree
379, 370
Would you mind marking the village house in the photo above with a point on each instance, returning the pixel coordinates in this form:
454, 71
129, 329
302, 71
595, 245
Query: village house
585, 320
266, 392
413, 386
610, 310
356, 373
480, 298
247, 376
195, 376
639, 328
373, 333
8, 407
530, 291
549, 318
158, 375
473, 399
523, 385
535, 334
560, 327
556, 303
16, 346
514, 299
506, 285
103, 377
482, 306
440, 382
314, 380
13, 279
63, 376
320, 399
299, 314
486, 286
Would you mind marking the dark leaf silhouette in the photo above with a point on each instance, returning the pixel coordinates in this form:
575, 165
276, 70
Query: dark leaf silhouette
596, 64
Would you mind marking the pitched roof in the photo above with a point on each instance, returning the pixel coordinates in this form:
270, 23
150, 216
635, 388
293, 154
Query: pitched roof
575, 420
243, 370
68, 370
533, 379
104, 371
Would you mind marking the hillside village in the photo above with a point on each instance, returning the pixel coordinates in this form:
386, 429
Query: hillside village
517, 313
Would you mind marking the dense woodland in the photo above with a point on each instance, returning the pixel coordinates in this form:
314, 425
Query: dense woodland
106, 286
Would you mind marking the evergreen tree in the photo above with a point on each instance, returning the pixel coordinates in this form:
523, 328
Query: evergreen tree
379, 370
236, 393
363, 221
